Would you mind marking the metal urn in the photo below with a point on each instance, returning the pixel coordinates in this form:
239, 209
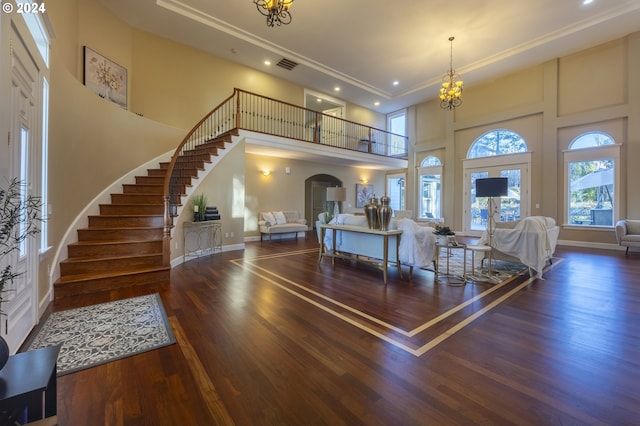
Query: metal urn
384, 213
371, 212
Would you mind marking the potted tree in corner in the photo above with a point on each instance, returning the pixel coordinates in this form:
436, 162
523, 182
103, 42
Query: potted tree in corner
19, 218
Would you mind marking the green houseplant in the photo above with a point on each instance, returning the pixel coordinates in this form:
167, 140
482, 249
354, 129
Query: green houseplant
199, 202
443, 233
19, 219
443, 230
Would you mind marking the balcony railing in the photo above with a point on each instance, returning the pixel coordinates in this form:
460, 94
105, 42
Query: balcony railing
249, 111
265, 115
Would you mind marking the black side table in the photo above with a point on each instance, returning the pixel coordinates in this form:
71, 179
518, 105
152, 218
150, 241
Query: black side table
28, 386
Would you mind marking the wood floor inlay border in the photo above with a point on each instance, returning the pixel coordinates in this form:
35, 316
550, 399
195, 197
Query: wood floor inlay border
411, 340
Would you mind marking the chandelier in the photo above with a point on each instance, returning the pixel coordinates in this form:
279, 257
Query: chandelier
276, 11
451, 90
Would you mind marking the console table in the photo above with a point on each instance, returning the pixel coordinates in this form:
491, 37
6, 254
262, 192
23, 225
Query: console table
28, 385
384, 238
202, 238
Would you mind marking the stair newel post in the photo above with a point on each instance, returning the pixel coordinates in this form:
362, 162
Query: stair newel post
166, 233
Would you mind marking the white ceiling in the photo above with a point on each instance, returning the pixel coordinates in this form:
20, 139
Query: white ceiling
363, 46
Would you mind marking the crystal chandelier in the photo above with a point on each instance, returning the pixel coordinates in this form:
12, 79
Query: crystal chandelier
451, 90
276, 11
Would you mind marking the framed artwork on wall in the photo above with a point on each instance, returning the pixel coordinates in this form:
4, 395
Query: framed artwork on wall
364, 192
105, 78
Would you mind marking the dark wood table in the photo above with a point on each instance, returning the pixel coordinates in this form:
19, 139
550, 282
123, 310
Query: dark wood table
28, 386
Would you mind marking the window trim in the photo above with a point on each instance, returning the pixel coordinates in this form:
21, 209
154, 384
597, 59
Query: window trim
588, 154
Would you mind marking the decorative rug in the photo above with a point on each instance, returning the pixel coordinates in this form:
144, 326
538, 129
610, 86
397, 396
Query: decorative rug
99, 334
501, 269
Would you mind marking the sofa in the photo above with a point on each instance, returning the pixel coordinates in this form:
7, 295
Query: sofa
531, 241
628, 233
417, 243
281, 222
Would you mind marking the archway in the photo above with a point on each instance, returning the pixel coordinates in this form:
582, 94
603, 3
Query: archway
316, 195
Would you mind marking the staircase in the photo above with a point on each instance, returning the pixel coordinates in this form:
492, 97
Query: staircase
122, 246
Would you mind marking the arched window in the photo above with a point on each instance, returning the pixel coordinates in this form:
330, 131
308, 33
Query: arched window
496, 153
497, 142
429, 188
591, 174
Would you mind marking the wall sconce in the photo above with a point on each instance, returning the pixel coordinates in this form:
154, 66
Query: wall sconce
364, 180
265, 172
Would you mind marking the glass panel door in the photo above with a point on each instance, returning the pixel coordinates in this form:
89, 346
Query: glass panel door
509, 208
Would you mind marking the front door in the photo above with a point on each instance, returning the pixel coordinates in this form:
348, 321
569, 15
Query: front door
512, 207
19, 304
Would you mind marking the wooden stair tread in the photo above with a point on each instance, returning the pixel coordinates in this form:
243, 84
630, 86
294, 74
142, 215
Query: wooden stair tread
124, 272
122, 244
82, 259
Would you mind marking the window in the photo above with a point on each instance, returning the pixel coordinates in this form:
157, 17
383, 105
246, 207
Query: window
497, 142
591, 172
429, 185
396, 190
497, 153
397, 124
44, 185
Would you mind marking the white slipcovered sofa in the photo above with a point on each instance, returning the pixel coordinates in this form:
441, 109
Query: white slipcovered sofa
417, 243
628, 233
531, 241
281, 222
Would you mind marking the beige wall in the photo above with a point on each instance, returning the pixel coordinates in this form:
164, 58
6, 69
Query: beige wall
281, 191
549, 104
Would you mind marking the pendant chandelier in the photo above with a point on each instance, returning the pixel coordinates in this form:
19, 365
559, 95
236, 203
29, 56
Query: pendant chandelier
276, 11
451, 90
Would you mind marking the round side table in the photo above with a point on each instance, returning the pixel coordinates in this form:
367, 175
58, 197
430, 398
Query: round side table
472, 275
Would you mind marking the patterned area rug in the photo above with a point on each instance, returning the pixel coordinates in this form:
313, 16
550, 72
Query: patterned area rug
102, 333
501, 270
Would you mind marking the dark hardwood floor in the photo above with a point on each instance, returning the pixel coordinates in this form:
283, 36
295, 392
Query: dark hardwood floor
269, 338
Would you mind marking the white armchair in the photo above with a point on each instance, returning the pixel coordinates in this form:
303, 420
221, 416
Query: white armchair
628, 233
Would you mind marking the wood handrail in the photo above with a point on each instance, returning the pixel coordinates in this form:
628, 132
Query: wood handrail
258, 113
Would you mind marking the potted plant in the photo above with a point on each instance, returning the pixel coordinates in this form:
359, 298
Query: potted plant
199, 203
443, 233
19, 218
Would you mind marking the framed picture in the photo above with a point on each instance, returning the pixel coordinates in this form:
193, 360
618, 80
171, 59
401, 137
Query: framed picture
104, 77
364, 192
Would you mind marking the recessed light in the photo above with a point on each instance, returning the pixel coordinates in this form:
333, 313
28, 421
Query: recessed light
395, 83
267, 62
336, 89
376, 103
586, 2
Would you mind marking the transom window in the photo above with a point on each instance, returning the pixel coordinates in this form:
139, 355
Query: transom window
592, 172
497, 142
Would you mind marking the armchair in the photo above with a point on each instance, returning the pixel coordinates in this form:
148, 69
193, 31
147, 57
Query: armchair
628, 233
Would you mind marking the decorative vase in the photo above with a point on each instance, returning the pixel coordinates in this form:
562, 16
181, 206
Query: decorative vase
384, 213
371, 212
4, 352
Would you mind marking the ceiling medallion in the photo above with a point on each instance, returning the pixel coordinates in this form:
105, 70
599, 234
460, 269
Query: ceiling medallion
276, 11
451, 90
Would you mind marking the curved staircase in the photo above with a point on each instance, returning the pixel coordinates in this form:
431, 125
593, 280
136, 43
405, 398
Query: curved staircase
123, 245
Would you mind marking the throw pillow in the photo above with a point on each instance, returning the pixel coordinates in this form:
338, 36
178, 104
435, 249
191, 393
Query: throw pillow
280, 218
268, 216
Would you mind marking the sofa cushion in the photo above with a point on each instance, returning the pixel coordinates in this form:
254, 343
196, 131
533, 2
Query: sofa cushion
280, 218
268, 216
633, 226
